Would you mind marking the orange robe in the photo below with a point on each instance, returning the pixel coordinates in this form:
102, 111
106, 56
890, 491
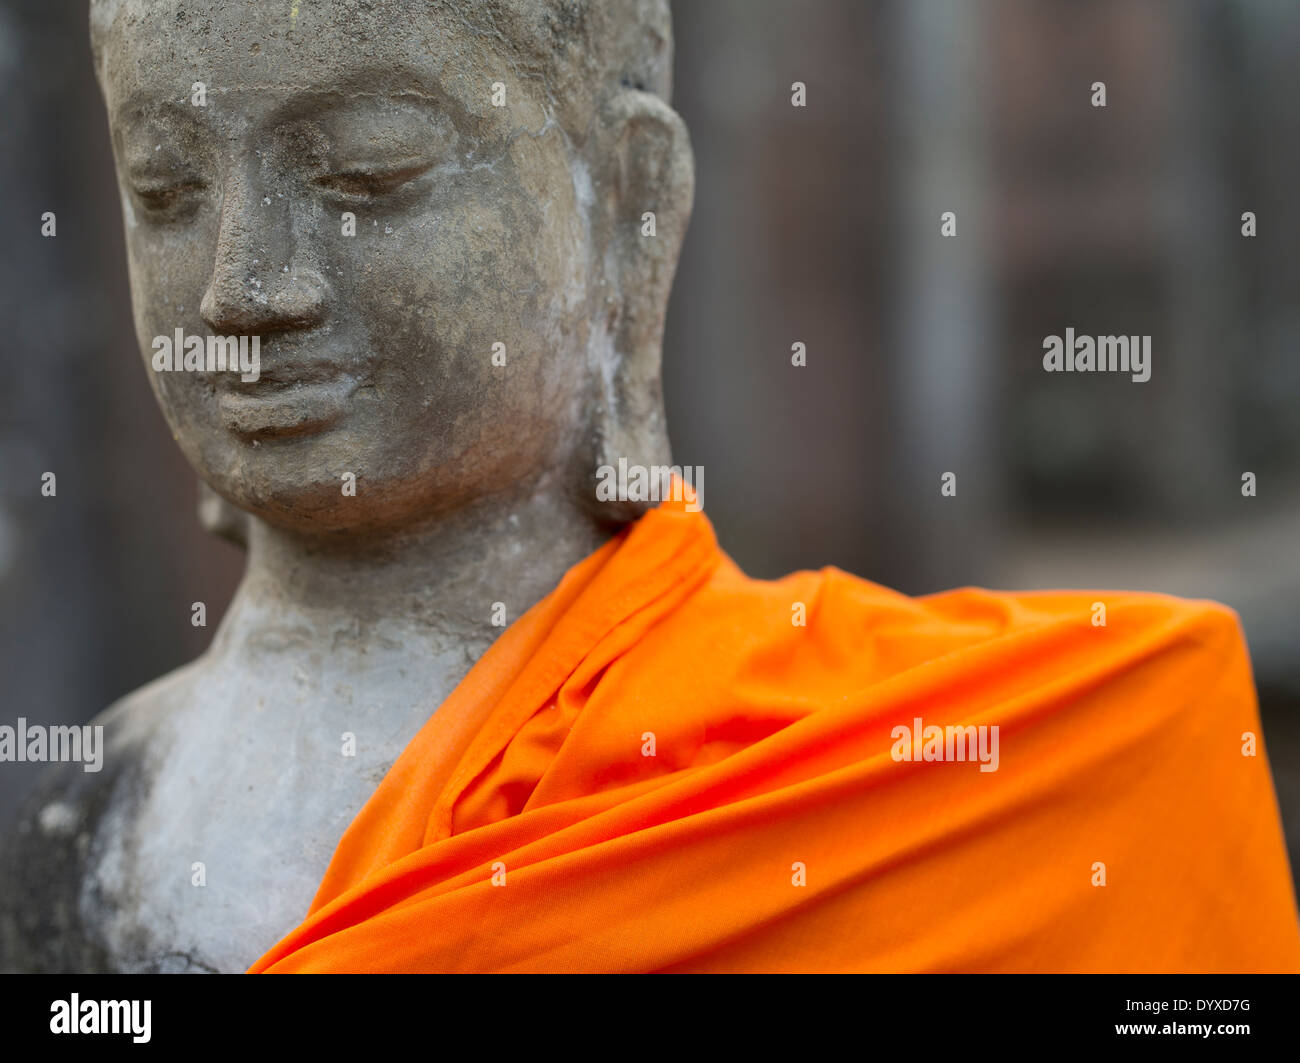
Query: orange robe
657, 768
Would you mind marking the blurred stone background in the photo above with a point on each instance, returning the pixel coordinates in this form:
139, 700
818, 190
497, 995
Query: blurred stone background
817, 225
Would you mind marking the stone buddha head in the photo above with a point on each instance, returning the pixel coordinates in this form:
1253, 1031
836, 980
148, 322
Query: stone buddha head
452, 227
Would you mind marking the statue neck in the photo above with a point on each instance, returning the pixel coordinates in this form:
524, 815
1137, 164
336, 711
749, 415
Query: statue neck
434, 588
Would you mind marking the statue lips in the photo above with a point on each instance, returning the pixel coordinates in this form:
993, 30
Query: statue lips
292, 396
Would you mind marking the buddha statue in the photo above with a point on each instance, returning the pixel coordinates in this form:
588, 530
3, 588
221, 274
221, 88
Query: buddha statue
431, 215
474, 708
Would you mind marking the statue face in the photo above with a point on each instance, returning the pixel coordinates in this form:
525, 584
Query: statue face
376, 346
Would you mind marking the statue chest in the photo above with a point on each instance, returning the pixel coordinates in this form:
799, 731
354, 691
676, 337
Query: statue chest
207, 834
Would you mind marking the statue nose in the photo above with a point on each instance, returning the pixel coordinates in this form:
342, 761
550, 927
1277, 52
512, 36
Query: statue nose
256, 285
246, 303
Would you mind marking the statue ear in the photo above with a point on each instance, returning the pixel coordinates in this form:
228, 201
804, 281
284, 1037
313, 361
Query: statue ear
220, 517
646, 196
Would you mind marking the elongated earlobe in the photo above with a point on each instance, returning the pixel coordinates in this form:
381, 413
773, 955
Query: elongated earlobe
223, 519
645, 198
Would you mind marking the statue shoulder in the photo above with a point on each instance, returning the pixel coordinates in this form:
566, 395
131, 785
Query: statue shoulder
50, 853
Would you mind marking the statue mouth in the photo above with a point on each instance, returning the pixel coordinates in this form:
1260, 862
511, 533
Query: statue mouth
276, 374
276, 407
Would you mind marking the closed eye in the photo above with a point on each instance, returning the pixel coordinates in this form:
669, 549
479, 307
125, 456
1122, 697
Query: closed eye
168, 199
368, 183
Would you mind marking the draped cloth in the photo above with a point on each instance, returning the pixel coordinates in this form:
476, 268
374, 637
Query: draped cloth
661, 768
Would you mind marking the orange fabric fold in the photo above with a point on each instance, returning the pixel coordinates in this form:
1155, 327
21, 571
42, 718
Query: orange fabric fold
659, 768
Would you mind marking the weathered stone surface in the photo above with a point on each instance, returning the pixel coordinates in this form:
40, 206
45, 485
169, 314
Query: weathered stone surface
475, 225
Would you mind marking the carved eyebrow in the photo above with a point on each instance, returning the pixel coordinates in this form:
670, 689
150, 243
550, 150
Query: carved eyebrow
139, 129
367, 84
310, 103
146, 106
356, 87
